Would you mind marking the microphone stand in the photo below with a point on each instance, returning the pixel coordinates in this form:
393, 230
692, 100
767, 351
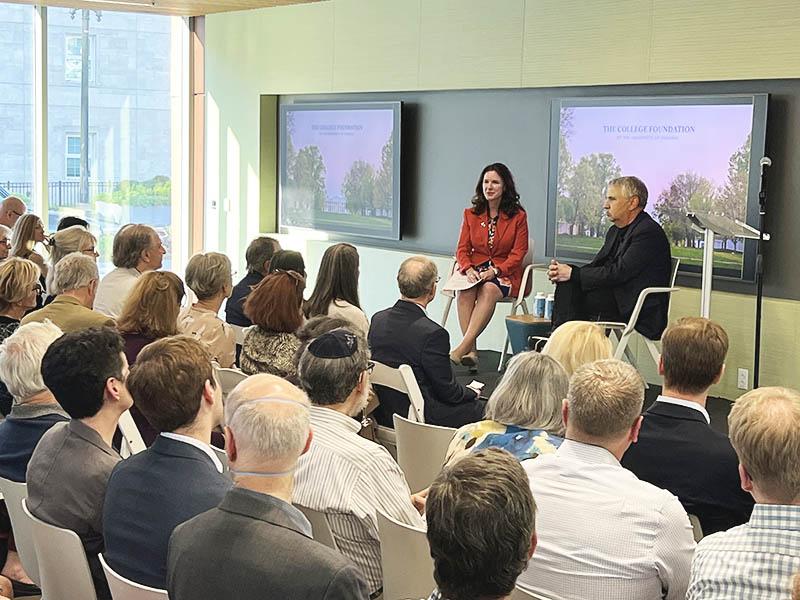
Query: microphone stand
762, 209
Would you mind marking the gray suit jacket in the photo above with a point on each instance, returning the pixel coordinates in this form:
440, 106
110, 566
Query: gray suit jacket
259, 547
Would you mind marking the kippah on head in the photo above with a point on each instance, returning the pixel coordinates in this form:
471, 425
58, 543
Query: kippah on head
338, 343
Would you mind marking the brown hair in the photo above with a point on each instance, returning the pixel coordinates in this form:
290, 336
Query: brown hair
509, 203
693, 353
22, 240
275, 303
152, 306
130, 242
17, 278
337, 279
168, 380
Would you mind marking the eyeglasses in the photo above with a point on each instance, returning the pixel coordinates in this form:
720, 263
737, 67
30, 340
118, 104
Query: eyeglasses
438, 278
37, 288
5, 241
19, 214
370, 367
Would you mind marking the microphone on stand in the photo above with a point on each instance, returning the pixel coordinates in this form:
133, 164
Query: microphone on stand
765, 162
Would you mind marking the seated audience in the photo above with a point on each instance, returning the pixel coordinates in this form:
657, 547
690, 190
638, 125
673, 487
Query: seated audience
275, 307
287, 260
11, 209
758, 559
677, 449
577, 343
344, 475
64, 242
69, 221
69, 470
29, 231
258, 256
19, 287
179, 476
310, 330
136, 250
403, 334
602, 532
5, 242
209, 277
255, 543
76, 277
481, 526
523, 414
336, 289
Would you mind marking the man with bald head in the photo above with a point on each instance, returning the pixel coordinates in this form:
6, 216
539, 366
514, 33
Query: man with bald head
403, 334
255, 543
11, 209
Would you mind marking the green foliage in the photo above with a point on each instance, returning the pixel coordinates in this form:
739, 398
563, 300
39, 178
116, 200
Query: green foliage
154, 192
359, 187
384, 188
586, 190
687, 192
307, 174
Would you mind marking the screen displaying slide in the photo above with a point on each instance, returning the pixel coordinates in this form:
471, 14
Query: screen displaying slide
340, 168
693, 157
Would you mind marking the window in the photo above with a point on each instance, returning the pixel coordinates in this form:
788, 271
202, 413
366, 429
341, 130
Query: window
73, 57
73, 155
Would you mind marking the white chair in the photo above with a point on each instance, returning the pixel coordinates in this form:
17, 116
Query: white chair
223, 458
622, 332
320, 527
63, 568
518, 302
125, 589
697, 528
132, 442
229, 379
406, 560
14, 493
403, 380
518, 594
421, 449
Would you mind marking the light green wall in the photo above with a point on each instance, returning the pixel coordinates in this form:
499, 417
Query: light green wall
377, 45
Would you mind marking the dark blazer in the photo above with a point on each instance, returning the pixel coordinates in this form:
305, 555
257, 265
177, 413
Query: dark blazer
256, 546
642, 260
678, 451
234, 307
403, 334
19, 434
148, 495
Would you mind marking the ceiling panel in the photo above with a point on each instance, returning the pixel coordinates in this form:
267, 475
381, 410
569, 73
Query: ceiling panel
186, 8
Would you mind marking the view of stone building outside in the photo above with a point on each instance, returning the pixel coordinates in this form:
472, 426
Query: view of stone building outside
129, 118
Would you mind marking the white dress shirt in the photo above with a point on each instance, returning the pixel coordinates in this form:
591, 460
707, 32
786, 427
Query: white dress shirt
113, 291
348, 478
686, 404
602, 532
179, 437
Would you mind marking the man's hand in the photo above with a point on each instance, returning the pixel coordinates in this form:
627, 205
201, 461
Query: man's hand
558, 273
419, 500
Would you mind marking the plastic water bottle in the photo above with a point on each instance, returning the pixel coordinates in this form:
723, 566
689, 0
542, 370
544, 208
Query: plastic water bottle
548, 307
539, 302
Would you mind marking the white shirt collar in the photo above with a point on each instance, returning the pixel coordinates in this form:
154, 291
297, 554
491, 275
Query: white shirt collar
424, 309
197, 444
687, 404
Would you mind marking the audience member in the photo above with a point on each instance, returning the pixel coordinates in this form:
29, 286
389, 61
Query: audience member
796, 587
69, 470
76, 277
19, 287
602, 532
136, 250
677, 449
344, 475
64, 242
576, 343
315, 327
287, 260
6, 590
274, 306
481, 526
523, 414
336, 289
758, 559
70, 221
28, 232
179, 476
5, 242
256, 543
403, 334
258, 256
11, 209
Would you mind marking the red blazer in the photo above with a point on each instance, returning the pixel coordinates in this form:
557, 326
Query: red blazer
510, 244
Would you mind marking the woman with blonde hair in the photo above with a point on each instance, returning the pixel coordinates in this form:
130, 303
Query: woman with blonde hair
28, 232
523, 414
66, 241
19, 287
576, 343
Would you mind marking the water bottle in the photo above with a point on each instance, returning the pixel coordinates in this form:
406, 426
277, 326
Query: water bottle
548, 307
538, 304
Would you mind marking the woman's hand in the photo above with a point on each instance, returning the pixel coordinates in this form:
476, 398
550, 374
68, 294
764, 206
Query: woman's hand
487, 275
472, 275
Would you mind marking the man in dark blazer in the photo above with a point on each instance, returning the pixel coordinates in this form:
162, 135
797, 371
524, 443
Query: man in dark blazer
403, 334
677, 449
179, 476
255, 544
258, 255
634, 256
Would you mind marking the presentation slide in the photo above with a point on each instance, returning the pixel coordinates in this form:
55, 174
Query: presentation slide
338, 169
691, 157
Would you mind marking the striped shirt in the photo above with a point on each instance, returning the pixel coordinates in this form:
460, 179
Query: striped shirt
754, 561
349, 477
602, 532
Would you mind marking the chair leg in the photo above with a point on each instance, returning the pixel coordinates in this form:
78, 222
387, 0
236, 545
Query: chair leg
447, 304
502, 363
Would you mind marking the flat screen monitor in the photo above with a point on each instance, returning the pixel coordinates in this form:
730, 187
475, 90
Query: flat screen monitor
694, 154
340, 168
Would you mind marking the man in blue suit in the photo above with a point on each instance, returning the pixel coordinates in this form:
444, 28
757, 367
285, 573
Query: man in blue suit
179, 476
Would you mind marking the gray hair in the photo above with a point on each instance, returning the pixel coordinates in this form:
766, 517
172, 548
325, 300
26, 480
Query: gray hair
66, 241
6, 230
259, 252
74, 271
605, 398
416, 276
530, 394
632, 186
208, 274
274, 429
21, 359
331, 380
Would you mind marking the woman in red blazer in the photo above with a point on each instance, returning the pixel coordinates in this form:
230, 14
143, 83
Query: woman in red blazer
491, 248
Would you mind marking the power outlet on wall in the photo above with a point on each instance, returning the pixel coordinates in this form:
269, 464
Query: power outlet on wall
743, 381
